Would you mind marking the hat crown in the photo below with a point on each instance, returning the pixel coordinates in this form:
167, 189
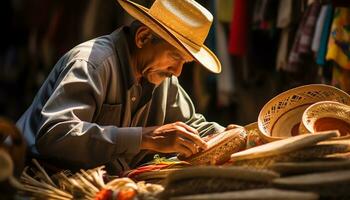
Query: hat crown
185, 17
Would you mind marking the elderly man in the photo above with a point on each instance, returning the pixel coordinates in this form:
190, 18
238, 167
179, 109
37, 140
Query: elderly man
113, 99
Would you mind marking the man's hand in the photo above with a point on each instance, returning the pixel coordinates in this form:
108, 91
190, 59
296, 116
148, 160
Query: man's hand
177, 137
232, 126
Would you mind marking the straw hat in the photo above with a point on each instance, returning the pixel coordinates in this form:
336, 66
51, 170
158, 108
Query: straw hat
310, 166
330, 185
210, 179
327, 115
282, 150
253, 194
184, 24
220, 147
281, 116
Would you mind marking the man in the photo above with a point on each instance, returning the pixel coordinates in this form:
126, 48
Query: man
113, 99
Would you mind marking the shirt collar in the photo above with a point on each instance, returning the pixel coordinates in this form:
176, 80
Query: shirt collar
120, 37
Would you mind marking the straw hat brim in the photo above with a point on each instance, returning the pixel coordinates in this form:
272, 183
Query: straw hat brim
282, 146
325, 109
283, 112
204, 56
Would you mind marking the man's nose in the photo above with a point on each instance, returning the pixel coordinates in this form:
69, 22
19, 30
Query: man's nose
176, 70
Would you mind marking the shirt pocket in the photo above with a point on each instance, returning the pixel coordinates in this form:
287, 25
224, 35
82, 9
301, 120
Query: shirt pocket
110, 114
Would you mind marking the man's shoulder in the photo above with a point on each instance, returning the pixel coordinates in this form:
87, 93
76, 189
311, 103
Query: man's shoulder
95, 51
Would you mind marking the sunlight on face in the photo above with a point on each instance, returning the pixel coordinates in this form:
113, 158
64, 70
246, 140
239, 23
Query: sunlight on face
165, 61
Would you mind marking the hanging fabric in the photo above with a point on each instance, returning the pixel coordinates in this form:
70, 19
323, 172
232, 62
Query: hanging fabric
225, 81
284, 19
339, 38
321, 54
319, 27
302, 42
239, 29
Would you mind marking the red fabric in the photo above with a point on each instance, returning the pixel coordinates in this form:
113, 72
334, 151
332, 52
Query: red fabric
147, 168
239, 29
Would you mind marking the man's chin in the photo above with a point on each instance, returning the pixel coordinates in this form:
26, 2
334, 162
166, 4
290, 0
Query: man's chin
156, 80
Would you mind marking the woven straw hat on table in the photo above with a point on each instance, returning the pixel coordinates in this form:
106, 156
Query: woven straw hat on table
311, 166
183, 24
220, 148
210, 179
281, 116
292, 148
327, 115
253, 194
330, 185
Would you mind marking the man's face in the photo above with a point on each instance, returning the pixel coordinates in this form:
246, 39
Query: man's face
163, 61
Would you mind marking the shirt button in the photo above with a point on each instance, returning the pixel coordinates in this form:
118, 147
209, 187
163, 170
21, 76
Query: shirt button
133, 98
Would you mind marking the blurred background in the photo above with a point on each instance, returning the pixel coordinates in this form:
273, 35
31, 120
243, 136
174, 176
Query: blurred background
265, 47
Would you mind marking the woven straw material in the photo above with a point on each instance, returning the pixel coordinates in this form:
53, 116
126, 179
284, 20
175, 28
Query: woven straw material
277, 117
254, 194
239, 173
220, 148
157, 176
283, 146
253, 135
287, 168
327, 110
209, 179
310, 153
334, 184
183, 24
209, 185
252, 128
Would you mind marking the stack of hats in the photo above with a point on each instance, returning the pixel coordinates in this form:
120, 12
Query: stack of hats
298, 149
308, 166
306, 131
299, 111
215, 179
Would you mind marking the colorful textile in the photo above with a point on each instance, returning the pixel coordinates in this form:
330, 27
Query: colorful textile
157, 163
319, 27
339, 38
321, 54
239, 29
303, 39
341, 78
224, 10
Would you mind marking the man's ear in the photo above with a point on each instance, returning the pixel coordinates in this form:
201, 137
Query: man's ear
142, 36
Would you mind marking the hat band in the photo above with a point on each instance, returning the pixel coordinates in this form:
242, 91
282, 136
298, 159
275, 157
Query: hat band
187, 41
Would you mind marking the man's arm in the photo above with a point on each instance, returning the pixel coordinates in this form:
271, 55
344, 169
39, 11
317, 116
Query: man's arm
67, 131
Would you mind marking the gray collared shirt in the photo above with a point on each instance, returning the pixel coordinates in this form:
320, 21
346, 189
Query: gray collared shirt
90, 111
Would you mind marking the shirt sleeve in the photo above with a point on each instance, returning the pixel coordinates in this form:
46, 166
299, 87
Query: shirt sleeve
181, 108
67, 130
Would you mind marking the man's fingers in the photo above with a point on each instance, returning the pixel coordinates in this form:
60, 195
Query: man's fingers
183, 150
187, 127
192, 137
188, 144
232, 126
